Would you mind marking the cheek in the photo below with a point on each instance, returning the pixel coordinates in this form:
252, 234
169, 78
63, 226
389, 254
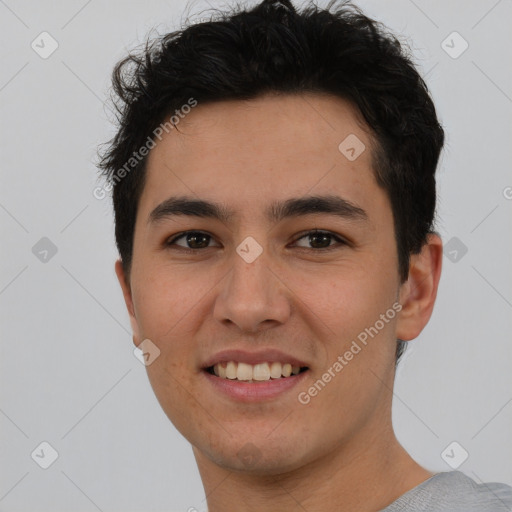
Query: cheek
165, 299
177, 395
168, 308
350, 301
357, 307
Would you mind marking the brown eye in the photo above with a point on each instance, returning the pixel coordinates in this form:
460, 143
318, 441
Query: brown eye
192, 239
321, 239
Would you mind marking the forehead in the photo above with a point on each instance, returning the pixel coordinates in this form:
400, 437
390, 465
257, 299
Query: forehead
270, 148
293, 124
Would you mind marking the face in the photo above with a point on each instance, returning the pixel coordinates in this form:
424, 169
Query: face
258, 285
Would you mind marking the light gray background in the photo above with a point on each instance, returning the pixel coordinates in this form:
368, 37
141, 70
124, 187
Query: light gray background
68, 373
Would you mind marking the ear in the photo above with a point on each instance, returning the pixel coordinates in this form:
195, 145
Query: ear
418, 293
127, 294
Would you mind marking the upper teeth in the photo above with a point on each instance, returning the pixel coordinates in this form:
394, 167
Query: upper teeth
260, 371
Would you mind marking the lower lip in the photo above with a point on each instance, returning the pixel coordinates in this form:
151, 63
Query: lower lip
255, 391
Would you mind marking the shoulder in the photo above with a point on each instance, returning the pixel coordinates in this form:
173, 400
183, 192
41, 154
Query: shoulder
454, 492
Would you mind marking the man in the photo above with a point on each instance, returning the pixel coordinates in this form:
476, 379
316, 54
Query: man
274, 192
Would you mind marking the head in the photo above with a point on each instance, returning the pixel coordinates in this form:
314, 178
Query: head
272, 115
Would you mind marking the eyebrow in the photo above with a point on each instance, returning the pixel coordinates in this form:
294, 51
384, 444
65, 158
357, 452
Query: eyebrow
277, 211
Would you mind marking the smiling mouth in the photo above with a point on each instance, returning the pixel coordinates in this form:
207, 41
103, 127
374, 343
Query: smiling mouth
251, 373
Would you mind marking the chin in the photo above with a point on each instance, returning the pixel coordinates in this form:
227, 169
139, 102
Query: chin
255, 455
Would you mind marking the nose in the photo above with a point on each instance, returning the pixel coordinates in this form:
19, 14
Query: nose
253, 297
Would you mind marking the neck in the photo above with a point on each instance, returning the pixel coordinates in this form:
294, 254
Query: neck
366, 474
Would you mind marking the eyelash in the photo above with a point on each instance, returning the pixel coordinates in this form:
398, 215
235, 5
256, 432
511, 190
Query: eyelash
169, 243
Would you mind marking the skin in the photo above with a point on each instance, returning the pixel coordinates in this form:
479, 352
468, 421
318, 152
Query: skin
339, 451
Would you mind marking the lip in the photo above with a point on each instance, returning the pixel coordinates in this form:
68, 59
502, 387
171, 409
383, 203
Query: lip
254, 391
261, 356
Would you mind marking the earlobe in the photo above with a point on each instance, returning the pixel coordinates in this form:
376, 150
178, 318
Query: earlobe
127, 294
418, 293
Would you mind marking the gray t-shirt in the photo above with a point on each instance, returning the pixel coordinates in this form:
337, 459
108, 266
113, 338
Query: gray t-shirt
454, 492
